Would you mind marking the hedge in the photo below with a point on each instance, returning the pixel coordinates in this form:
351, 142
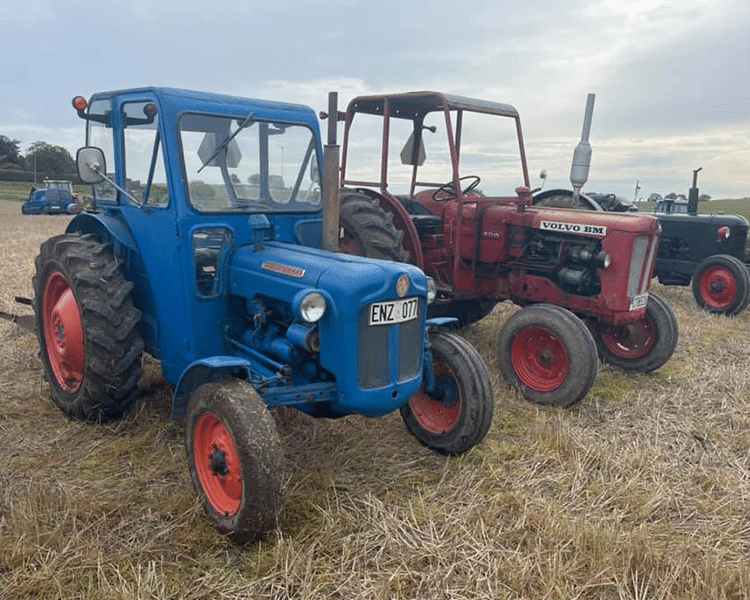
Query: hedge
28, 176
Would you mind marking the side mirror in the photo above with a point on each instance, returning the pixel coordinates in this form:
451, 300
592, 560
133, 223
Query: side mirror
409, 156
91, 164
543, 174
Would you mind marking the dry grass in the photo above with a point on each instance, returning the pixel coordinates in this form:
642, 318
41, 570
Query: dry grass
643, 491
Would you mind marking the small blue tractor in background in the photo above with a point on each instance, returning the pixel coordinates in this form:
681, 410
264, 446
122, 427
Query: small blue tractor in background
202, 246
55, 198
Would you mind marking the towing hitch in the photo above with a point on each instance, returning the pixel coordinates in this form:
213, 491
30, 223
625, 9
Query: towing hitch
27, 322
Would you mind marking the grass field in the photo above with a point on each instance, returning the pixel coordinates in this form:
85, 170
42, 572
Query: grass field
640, 492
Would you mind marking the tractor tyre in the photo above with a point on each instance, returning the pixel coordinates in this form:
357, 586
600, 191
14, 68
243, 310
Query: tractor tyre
643, 346
87, 327
235, 458
548, 354
367, 230
457, 414
721, 285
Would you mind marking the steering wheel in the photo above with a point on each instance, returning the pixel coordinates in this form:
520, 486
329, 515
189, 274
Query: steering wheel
449, 191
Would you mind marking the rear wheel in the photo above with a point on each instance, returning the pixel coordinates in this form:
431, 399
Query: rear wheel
367, 230
87, 328
457, 414
546, 352
235, 458
641, 346
721, 285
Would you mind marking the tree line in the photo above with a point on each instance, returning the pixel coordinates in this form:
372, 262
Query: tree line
40, 156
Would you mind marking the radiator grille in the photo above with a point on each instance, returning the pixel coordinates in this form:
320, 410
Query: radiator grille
640, 245
388, 353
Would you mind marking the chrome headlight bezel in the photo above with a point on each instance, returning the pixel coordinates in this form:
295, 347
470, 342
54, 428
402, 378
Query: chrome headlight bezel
309, 305
431, 290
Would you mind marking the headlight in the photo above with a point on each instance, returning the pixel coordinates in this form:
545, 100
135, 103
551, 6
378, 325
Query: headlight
431, 290
603, 259
312, 307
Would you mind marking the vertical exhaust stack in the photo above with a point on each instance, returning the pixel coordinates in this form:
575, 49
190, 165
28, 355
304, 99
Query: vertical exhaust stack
693, 194
579, 171
331, 179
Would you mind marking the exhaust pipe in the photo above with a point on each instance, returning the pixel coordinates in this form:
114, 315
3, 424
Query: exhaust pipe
579, 171
693, 194
331, 179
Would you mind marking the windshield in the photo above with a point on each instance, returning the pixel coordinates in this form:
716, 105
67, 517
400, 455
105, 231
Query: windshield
487, 147
247, 165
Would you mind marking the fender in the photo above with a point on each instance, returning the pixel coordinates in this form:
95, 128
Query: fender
428, 369
108, 228
200, 372
401, 221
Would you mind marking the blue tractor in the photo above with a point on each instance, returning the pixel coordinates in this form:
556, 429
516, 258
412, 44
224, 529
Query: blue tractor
55, 198
202, 247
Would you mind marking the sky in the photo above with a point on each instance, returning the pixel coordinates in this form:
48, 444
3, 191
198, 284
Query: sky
671, 77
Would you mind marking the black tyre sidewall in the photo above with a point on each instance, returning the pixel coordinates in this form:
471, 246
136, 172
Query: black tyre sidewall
256, 441
371, 227
579, 345
667, 334
740, 274
474, 386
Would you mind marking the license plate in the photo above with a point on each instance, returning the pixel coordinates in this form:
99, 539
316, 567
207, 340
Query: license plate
395, 311
638, 301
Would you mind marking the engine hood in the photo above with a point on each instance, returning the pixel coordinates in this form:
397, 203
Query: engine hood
281, 270
590, 223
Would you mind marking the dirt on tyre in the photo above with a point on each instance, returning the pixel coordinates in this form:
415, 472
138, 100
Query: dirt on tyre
456, 415
235, 458
721, 285
367, 230
547, 353
643, 346
87, 327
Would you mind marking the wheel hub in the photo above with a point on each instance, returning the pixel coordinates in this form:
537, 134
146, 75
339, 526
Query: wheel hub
217, 462
546, 357
539, 359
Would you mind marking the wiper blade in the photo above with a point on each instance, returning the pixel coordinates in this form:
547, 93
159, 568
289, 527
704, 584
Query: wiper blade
249, 120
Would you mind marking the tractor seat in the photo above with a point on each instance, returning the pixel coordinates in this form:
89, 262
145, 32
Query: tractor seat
424, 221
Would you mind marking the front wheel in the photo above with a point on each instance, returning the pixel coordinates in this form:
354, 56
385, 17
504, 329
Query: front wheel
456, 415
642, 346
721, 285
235, 458
547, 353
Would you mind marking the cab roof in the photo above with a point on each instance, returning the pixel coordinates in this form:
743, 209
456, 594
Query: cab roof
413, 105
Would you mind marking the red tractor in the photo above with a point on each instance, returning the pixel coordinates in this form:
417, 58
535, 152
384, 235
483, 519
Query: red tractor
582, 278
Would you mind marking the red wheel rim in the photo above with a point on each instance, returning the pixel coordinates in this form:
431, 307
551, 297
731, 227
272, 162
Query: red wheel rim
217, 464
631, 341
63, 333
718, 287
438, 416
348, 244
539, 359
